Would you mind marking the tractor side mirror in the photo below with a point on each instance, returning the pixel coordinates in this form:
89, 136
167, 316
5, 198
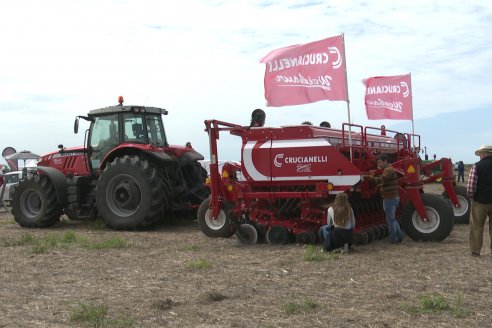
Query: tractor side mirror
76, 125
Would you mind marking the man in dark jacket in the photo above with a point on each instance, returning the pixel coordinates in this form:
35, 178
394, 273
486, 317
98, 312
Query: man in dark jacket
461, 171
388, 186
479, 189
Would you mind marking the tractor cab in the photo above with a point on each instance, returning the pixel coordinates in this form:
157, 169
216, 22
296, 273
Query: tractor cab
120, 125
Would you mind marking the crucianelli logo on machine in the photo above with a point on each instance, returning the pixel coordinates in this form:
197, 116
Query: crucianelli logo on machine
280, 159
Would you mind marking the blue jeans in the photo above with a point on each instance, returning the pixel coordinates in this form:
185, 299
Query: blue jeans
323, 231
389, 206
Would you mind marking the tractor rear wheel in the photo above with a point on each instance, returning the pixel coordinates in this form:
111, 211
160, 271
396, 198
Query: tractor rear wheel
195, 175
462, 213
215, 228
130, 193
439, 225
35, 203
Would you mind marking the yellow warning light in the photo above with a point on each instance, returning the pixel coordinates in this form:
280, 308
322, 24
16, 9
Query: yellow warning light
225, 174
439, 179
411, 169
230, 188
329, 186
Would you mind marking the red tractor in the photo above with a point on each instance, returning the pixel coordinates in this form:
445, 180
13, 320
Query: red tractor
289, 175
126, 173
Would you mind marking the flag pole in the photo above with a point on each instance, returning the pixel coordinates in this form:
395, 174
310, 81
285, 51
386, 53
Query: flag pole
348, 100
413, 125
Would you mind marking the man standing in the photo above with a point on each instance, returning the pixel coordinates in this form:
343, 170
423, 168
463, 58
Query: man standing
388, 186
479, 189
461, 171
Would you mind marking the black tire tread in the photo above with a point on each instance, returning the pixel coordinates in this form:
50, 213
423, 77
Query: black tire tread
225, 232
133, 165
50, 212
446, 217
461, 191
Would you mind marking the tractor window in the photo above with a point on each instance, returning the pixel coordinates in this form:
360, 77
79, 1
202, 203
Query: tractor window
144, 128
134, 128
104, 137
155, 130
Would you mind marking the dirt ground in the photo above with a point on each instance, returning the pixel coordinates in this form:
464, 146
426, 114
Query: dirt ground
175, 276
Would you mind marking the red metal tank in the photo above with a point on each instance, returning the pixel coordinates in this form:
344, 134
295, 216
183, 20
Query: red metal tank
295, 159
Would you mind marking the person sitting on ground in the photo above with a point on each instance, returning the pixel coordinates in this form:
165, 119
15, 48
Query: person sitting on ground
324, 230
341, 221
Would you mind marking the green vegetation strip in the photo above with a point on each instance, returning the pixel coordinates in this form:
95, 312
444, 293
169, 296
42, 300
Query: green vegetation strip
434, 303
315, 254
96, 315
199, 264
190, 248
69, 239
299, 306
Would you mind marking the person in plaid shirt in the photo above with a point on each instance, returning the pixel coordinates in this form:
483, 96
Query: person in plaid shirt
479, 189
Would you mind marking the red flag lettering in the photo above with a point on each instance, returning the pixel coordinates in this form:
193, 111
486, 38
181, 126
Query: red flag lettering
389, 97
307, 73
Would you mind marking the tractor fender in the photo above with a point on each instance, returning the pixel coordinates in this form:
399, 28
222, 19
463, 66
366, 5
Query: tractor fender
190, 156
159, 156
59, 181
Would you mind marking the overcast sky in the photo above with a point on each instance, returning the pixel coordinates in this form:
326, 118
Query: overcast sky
200, 60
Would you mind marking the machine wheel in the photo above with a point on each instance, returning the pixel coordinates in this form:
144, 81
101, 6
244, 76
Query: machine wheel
278, 235
377, 232
386, 230
306, 238
461, 214
361, 238
219, 227
371, 236
130, 193
260, 229
440, 224
382, 231
247, 234
35, 203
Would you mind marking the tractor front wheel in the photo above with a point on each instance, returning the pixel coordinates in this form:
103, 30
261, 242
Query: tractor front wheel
35, 203
215, 228
130, 193
439, 224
